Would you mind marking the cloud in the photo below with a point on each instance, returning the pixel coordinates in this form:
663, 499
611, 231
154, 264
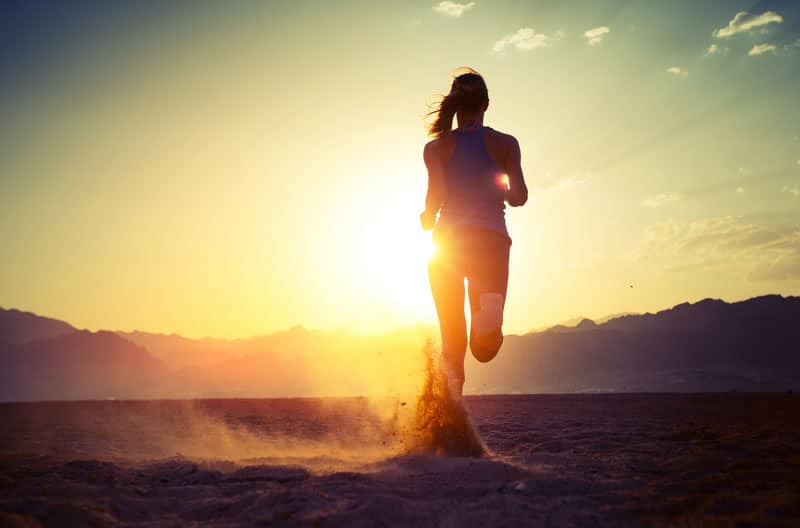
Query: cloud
782, 267
661, 200
570, 182
524, 39
760, 49
744, 21
740, 190
453, 9
760, 252
549, 185
675, 70
595, 35
716, 50
792, 45
548, 182
794, 191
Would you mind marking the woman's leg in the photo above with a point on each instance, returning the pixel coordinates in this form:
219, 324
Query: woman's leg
487, 274
447, 286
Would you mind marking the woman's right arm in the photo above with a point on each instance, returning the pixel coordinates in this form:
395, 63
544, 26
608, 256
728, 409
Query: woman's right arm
517, 193
435, 194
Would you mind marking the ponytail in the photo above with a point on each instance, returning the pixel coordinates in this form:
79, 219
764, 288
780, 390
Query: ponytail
467, 93
448, 106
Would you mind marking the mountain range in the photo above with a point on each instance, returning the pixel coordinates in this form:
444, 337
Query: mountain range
710, 345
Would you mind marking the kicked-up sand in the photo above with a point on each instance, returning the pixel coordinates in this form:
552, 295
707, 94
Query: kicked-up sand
550, 460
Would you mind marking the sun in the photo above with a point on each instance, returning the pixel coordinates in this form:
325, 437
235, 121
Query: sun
394, 255
381, 248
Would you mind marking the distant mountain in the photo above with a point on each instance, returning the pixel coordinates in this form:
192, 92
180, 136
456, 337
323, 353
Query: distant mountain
582, 326
575, 321
78, 365
295, 362
300, 362
18, 327
178, 351
768, 312
711, 345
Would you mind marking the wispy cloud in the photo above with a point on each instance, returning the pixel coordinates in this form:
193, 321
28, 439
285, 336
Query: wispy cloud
760, 49
716, 50
740, 190
794, 191
744, 21
551, 183
675, 70
792, 45
570, 182
595, 35
661, 200
760, 252
524, 39
453, 9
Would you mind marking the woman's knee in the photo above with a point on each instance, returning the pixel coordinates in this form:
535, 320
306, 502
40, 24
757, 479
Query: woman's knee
485, 350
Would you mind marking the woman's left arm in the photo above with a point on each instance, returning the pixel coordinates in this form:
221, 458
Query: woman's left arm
435, 194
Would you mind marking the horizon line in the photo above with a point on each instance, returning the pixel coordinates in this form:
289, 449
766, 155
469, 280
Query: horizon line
343, 331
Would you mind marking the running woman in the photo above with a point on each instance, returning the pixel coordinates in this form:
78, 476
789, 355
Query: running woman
473, 171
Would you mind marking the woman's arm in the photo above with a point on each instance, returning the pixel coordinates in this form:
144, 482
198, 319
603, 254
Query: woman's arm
435, 194
517, 193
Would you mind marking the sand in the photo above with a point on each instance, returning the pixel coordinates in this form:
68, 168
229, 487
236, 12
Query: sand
572, 460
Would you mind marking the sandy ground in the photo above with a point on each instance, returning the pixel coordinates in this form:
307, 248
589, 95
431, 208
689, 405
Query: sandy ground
573, 460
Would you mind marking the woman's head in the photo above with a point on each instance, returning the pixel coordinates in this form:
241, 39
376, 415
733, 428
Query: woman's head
468, 94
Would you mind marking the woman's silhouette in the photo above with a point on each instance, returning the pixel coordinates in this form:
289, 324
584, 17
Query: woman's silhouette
473, 171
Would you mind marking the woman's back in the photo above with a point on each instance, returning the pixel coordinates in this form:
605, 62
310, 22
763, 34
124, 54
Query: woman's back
472, 161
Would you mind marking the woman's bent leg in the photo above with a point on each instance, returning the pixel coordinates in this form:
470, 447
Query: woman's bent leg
488, 285
447, 287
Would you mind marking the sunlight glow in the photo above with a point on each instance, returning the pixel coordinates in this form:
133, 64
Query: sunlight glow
394, 259
502, 181
387, 250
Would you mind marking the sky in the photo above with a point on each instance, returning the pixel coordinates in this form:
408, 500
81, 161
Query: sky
232, 169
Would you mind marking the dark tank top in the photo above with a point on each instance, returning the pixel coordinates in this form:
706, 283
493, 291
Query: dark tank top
474, 194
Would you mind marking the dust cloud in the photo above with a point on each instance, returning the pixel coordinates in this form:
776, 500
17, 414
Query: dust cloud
441, 424
326, 432
316, 433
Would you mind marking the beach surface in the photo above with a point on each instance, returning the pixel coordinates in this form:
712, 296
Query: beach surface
553, 460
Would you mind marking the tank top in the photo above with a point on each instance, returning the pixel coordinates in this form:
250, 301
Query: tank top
474, 192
